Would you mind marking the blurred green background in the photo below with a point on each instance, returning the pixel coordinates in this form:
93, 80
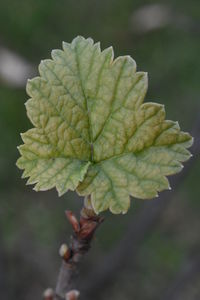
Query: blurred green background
164, 39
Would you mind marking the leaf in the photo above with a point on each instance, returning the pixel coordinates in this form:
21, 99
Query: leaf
93, 132
45, 166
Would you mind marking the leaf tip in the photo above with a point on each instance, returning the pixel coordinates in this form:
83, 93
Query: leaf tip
61, 192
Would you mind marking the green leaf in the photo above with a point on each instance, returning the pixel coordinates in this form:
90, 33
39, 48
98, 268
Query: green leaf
46, 166
93, 132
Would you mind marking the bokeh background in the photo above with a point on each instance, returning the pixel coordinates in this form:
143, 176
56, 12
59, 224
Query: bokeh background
153, 251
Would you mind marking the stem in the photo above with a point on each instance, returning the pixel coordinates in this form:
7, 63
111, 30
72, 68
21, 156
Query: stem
80, 243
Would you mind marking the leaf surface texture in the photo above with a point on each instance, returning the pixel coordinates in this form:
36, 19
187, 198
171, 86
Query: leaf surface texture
93, 133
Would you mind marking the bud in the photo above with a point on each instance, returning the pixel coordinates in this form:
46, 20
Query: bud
72, 295
65, 252
73, 221
48, 294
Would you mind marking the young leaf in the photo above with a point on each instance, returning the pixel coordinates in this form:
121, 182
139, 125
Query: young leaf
93, 132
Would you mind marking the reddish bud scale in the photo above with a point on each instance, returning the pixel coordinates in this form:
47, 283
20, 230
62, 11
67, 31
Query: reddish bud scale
73, 221
87, 229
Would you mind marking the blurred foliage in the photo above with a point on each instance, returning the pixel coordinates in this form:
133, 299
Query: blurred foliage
35, 221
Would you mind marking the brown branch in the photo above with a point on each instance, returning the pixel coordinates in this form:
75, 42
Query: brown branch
139, 227
83, 232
